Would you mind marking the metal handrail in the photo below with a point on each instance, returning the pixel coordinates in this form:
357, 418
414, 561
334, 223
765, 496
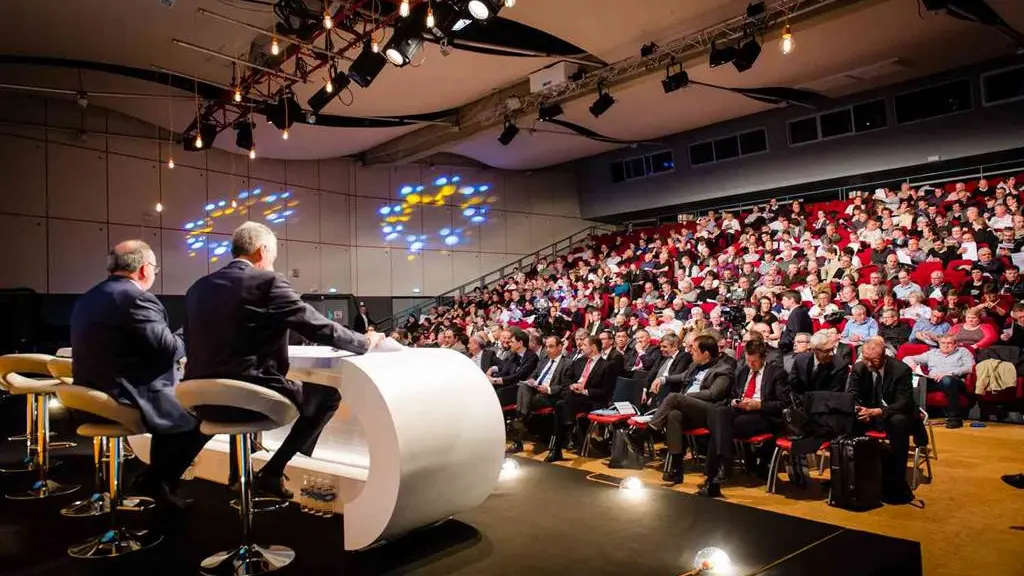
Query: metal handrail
557, 248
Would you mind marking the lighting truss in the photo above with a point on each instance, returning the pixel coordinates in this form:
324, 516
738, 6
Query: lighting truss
679, 50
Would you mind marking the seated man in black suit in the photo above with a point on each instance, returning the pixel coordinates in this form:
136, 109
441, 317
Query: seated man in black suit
884, 396
819, 369
481, 355
612, 356
515, 369
236, 326
760, 392
666, 376
705, 383
591, 388
543, 388
122, 346
641, 355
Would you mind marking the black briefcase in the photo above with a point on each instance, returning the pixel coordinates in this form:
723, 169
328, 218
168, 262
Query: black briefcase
856, 463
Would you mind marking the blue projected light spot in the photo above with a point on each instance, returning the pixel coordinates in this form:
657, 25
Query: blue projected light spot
279, 220
271, 216
456, 178
477, 219
387, 229
287, 212
419, 188
270, 198
256, 191
384, 210
441, 181
406, 190
399, 228
410, 238
220, 250
391, 236
467, 190
451, 240
196, 245
189, 226
222, 203
286, 194
484, 188
243, 195
416, 246
469, 212
209, 207
445, 231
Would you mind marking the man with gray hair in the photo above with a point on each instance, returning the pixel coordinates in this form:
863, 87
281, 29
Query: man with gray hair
819, 369
123, 346
236, 326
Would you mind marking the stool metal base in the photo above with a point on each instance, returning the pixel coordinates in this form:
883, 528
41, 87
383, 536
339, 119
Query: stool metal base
62, 444
26, 464
115, 542
247, 561
263, 504
96, 505
44, 489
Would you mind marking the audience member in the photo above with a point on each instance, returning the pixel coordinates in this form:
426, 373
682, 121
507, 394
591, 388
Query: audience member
947, 366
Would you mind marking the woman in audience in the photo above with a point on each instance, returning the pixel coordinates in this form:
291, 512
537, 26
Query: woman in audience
823, 306
917, 308
973, 333
764, 311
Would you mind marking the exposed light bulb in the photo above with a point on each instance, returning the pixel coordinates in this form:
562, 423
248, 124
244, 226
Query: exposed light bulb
252, 156
403, 8
787, 44
170, 163
329, 87
374, 47
199, 141
238, 93
275, 48
328, 21
510, 3
234, 204
284, 134
159, 207
430, 17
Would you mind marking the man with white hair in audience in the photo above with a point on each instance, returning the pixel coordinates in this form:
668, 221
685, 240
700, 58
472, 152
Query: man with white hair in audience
947, 366
859, 327
819, 369
480, 354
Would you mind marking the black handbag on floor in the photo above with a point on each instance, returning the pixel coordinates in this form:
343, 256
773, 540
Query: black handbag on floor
856, 464
623, 454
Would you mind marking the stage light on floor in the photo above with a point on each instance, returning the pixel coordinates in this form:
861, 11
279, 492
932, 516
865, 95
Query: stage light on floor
631, 483
509, 468
712, 560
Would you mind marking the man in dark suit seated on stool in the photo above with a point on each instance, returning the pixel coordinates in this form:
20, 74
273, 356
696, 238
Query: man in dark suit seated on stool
884, 396
515, 369
542, 389
236, 326
819, 369
591, 389
123, 346
760, 392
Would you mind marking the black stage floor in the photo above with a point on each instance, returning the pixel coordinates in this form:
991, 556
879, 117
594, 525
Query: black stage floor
546, 520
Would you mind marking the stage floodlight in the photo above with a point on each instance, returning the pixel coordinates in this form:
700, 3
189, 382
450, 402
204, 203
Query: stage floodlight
602, 104
674, 80
406, 40
447, 18
484, 9
755, 10
746, 55
321, 98
509, 133
719, 56
648, 49
283, 113
549, 111
243, 134
366, 66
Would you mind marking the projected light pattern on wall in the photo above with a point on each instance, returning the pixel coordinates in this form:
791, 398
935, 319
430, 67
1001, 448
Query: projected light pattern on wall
471, 201
274, 208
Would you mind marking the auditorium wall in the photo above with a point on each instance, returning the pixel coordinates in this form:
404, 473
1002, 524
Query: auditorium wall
66, 196
980, 131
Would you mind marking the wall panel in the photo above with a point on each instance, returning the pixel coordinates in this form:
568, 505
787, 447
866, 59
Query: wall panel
76, 183
23, 166
302, 173
24, 241
406, 274
179, 266
134, 191
336, 269
304, 221
184, 195
373, 271
335, 218
437, 272
465, 267
336, 175
304, 267
517, 239
77, 255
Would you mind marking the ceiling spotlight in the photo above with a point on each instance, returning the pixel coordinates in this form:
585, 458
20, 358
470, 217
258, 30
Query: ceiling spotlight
549, 111
335, 84
508, 133
403, 8
786, 44
602, 104
461, 23
746, 55
719, 56
283, 113
484, 9
401, 49
366, 66
648, 49
275, 48
675, 78
243, 134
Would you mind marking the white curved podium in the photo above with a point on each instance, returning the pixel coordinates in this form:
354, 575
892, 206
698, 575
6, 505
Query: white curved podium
419, 437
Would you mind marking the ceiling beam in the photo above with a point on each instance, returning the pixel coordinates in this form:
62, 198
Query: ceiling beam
490, 111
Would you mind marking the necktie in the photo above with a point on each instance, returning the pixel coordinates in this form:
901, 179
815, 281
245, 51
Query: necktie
586, 372
751, 386
639, 361
544, 372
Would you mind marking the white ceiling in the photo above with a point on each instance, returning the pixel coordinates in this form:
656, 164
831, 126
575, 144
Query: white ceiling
139, 32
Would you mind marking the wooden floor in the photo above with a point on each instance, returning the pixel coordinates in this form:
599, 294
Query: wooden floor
964, 526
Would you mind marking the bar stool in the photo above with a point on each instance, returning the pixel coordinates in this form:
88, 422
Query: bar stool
119, 421
38, 392
269, 410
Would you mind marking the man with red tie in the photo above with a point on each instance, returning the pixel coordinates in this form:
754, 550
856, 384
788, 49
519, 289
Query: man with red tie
760, 392
591, 389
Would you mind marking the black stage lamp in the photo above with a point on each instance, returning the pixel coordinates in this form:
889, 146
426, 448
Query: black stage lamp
366, 66
198, 139
509, 133
719, 56
283, 113
675, 80
746, 55
447, 18
549, 111
602, 104
484, 9
338, 82
755, 10
648, 49
243, 134
406, 40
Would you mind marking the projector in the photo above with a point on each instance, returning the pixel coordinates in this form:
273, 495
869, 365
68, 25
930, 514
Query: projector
553, 75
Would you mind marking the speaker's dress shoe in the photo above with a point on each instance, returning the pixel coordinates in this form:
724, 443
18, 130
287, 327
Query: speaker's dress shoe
1015, 480
554, 456
710, 489
673, 476
272, 485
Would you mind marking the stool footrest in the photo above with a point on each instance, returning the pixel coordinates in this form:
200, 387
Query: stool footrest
115, 542
263, 504
96, 505
44, 489
250, 560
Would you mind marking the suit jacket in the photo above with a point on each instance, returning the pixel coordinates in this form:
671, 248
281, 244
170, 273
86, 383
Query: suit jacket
236, 325
488, 358
516, 369
648, 359
716, 384
799, 321
616, 364
673, 379
897, 392
845, 352
599, 384
359, 325
774, 388
123, 347
560, 378
831, 378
